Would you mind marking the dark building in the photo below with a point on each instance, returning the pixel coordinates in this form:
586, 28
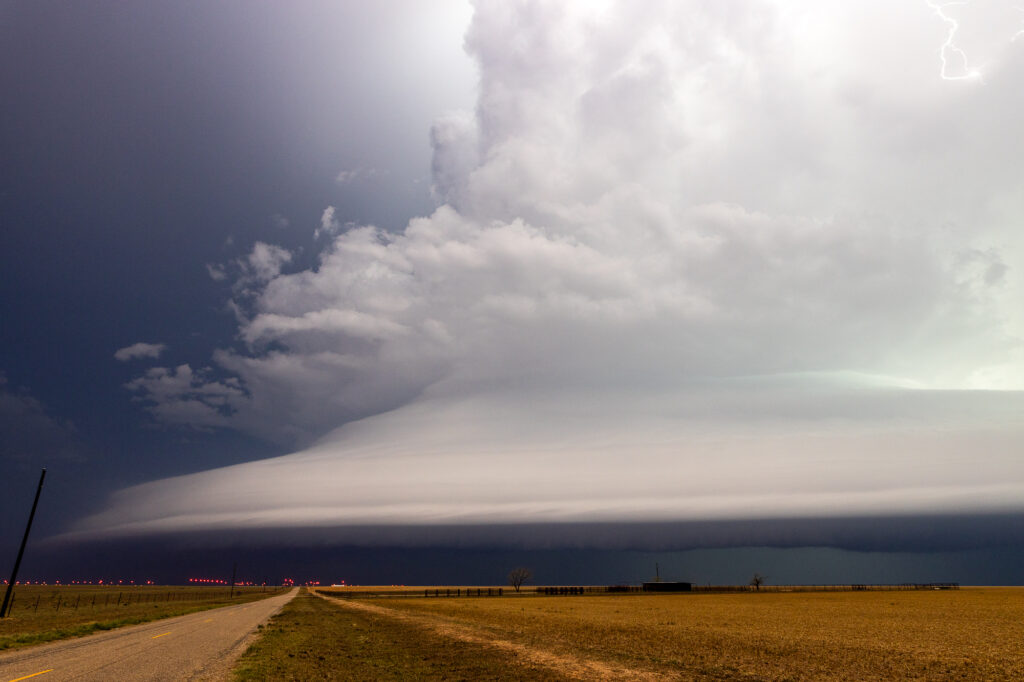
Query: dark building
668, 587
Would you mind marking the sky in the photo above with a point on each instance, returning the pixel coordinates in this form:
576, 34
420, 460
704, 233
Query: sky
719, 282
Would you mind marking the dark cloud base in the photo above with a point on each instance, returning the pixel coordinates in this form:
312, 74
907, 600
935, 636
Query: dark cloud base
978, 549
866, 534
907, 533
438, 566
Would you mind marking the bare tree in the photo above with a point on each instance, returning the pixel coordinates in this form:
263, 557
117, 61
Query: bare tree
757, 581
518, 576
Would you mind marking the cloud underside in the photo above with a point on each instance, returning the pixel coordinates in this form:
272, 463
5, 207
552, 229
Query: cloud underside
651, 209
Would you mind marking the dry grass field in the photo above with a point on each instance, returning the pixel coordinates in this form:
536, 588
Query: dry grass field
973, 633
43, 613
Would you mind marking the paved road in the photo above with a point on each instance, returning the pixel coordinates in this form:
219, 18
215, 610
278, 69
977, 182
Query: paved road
199, 646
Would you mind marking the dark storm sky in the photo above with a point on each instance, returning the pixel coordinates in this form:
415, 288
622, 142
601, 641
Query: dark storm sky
433, 269
142, 142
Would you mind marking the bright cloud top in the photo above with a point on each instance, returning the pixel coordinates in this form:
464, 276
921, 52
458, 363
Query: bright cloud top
653, 208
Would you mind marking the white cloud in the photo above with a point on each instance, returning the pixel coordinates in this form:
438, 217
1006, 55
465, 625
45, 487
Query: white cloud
262, 264
664, 200
348, 176
329, 225
140, 350
265, 261
216, 272
180, 395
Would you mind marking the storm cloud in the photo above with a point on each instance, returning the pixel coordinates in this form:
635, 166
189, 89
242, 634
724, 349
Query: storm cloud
690, 261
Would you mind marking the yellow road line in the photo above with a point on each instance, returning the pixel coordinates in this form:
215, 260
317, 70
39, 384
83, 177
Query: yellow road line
32, 675
160, 635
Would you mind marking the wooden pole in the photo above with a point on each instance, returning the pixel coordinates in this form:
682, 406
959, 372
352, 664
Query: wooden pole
21, 550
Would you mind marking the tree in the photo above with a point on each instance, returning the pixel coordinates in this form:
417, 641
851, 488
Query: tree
757, 581
518, 576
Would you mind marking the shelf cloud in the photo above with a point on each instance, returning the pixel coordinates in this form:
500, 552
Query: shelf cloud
689, 262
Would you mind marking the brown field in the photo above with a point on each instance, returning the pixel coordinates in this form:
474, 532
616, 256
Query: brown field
973, 633
43, 613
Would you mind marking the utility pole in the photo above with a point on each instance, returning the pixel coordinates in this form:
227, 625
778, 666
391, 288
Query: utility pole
234, 570
21, 550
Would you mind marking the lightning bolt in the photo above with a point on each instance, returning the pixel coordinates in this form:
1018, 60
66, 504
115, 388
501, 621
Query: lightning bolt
949, 51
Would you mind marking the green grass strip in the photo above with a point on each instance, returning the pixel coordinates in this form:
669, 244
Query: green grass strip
312, 639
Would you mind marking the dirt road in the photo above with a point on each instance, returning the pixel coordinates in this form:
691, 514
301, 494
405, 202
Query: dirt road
565, 666
199, 646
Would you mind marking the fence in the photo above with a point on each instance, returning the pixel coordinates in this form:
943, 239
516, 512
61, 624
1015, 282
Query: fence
32, 598
430, 592
853, 587
470, 592
581, 590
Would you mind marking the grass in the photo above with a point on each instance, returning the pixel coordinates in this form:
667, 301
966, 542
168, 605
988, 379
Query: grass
44, 613
312, 639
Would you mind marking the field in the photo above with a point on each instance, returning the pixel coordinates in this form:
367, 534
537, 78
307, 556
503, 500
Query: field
312, 639
42, 613
973, 633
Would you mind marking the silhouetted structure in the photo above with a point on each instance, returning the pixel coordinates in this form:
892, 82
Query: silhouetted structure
662, 586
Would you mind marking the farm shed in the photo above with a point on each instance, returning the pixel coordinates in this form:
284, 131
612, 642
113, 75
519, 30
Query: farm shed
668, 587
